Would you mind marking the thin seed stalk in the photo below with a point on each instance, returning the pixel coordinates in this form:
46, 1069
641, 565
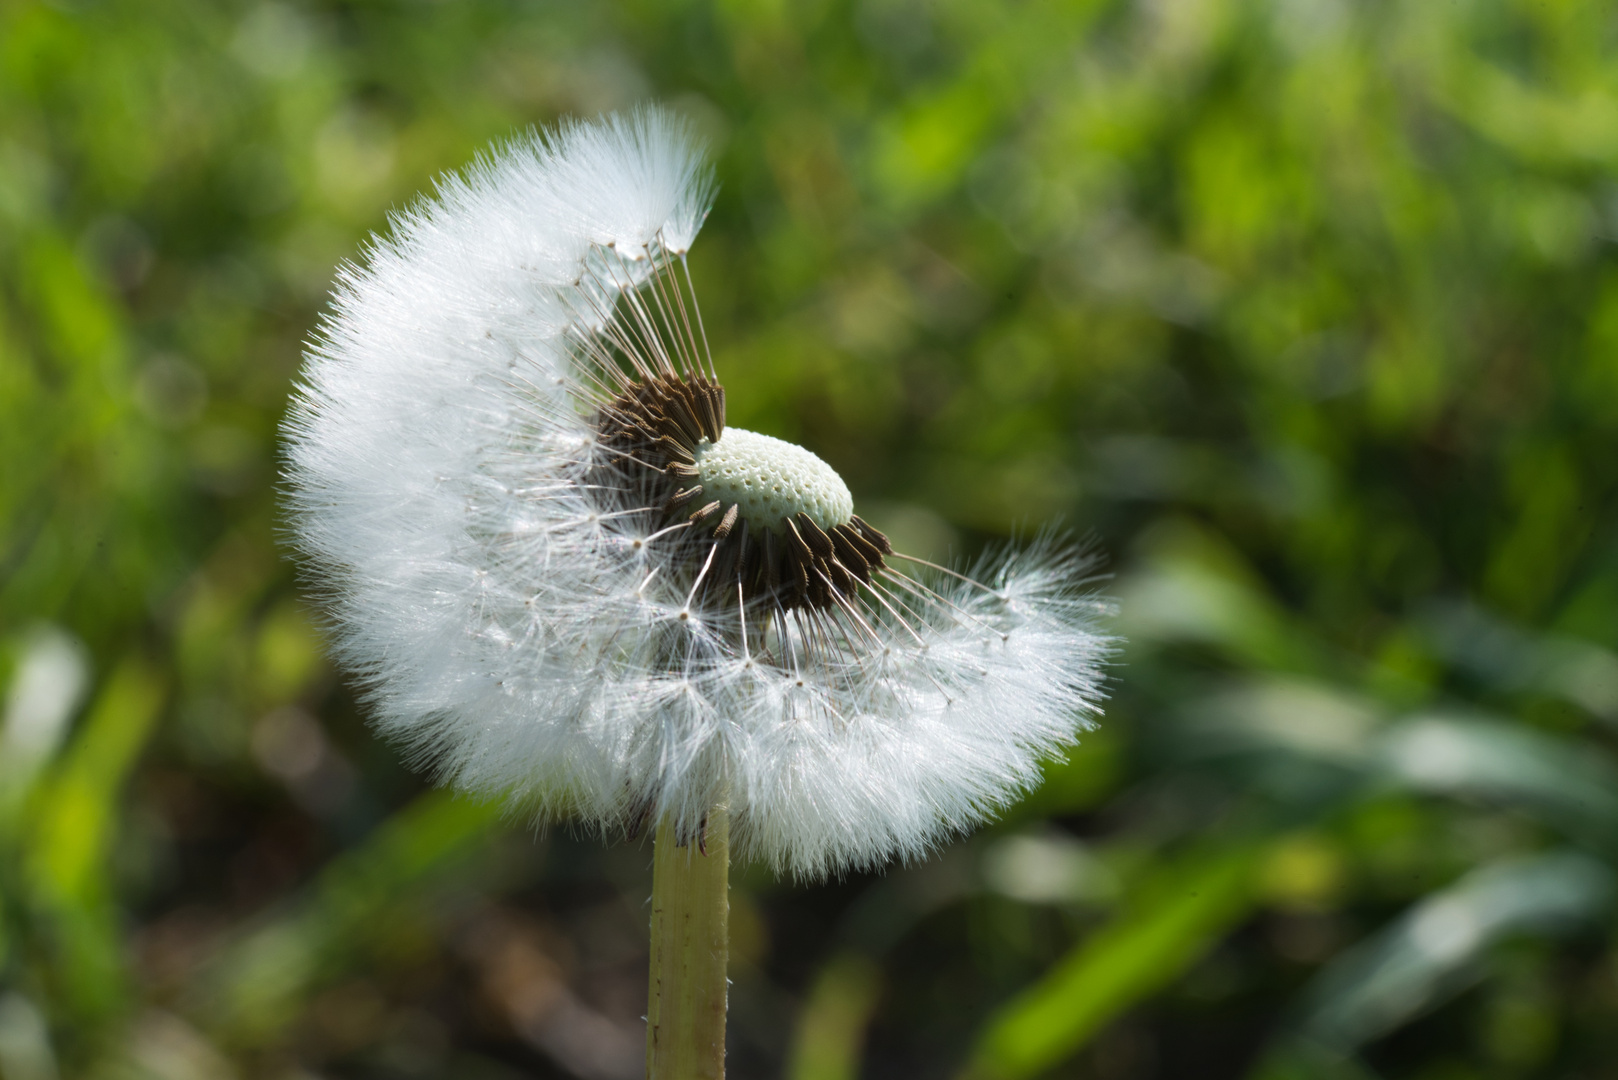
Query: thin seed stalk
685, 1015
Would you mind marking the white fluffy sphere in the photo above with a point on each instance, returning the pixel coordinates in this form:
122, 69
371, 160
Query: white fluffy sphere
562, 580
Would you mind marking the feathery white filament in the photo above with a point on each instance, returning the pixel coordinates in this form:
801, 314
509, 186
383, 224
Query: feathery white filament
531, 625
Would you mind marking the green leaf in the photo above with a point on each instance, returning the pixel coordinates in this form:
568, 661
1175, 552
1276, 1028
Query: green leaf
77, 823
831, 1027
1427, 955
1185, 911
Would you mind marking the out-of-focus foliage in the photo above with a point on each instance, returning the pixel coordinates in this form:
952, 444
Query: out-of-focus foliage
1307, 309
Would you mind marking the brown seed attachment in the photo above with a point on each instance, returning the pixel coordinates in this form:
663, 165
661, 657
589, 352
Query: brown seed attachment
659, 422
655, 427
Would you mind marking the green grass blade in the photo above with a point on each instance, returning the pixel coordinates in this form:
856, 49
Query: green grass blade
1190, 908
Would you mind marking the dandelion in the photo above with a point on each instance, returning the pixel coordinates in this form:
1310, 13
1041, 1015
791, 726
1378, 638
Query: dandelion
563, 579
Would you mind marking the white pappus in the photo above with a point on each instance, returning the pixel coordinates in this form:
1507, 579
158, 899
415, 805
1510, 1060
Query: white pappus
561, 578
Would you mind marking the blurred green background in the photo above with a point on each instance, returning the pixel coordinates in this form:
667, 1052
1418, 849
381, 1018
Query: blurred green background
1305, 310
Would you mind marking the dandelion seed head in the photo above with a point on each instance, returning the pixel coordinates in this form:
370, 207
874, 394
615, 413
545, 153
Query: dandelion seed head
562, 579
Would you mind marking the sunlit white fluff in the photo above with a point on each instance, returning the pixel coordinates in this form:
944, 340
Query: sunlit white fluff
518, 623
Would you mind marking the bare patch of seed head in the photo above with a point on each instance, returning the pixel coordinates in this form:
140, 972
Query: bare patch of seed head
653, 429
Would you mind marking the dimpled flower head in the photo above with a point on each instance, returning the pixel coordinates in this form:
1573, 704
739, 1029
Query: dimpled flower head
563, 579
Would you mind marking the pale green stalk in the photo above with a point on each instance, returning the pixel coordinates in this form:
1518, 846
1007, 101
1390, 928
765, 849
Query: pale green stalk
685, 1013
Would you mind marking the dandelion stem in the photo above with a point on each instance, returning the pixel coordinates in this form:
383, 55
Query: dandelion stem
685, 1015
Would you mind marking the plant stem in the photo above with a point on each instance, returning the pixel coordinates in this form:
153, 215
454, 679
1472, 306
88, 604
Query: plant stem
685, 1015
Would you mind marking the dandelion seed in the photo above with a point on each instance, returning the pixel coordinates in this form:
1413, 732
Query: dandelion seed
563, 578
